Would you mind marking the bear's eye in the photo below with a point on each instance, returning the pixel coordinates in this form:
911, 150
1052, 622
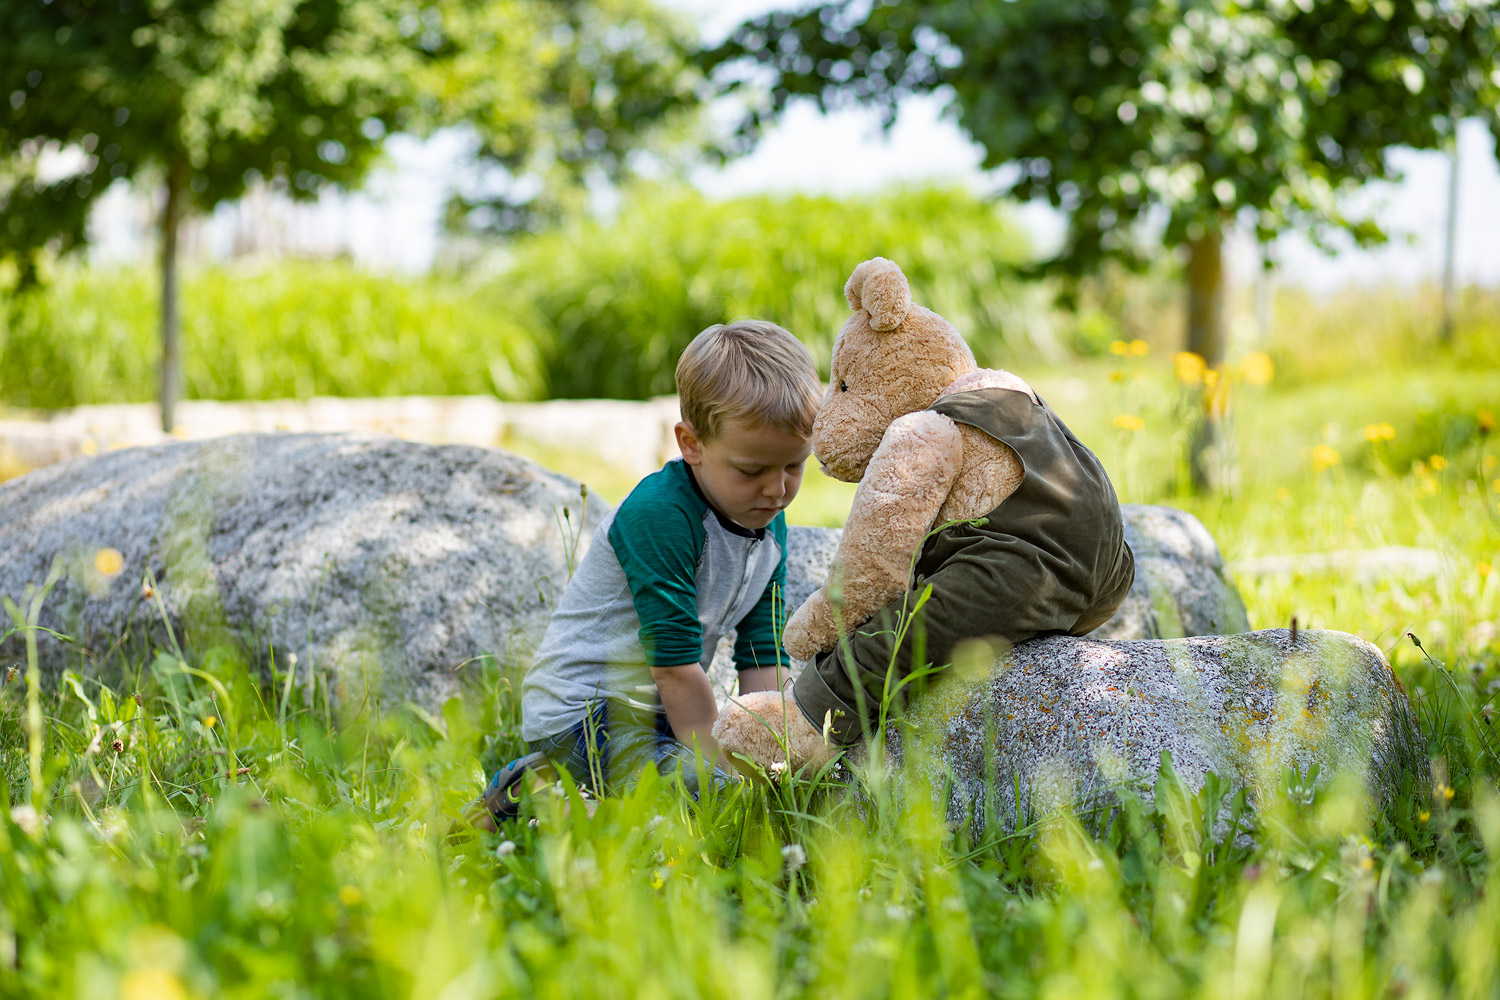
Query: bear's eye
843, 386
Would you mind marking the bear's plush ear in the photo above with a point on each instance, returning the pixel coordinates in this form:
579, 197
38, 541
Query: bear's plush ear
879, 287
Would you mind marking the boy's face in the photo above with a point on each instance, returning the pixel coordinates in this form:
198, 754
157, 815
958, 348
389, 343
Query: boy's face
750, 472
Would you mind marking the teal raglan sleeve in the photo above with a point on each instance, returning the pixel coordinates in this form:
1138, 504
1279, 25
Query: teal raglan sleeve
758, 635
658, 545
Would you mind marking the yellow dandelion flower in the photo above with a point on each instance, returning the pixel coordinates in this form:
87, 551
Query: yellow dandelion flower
1429, 487
1438, 463
1485, 569
210, 722
1189, 367
151, 984
1211, 378
109, 562
1129, 422
1324, 457
1119, 347
1495, 486
350, 895
1486, 420
1257, 368
1117, 376
1379, 432
1366, 864
1447, 793
1490, 461
1139, 348
1424, 816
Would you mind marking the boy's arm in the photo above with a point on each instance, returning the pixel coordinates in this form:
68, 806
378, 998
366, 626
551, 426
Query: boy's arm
688, 700
761, 662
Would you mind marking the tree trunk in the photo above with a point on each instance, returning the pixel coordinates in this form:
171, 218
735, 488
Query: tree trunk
1450, 248
171, 220
1205, 336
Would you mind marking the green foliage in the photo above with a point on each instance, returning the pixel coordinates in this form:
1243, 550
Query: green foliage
1115, 111
253, 835
617, 301
283, 332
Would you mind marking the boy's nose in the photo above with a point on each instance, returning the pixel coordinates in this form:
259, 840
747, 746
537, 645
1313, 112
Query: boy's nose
775, 487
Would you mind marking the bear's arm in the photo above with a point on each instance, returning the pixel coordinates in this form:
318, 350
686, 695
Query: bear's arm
896, 505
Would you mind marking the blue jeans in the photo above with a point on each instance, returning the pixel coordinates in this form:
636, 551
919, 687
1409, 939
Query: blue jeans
614, 743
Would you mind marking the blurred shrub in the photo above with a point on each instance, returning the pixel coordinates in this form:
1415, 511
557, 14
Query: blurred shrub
293, 330
617, 300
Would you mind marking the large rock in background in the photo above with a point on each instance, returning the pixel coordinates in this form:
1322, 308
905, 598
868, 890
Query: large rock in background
363, 555
1065, 720
1181, 587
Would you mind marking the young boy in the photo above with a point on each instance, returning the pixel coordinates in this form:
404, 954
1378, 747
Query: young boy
620, 680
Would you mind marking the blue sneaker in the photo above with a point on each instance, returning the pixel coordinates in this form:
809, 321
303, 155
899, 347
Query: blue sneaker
501, 799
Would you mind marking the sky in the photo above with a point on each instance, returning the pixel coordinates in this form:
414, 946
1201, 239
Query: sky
395, 223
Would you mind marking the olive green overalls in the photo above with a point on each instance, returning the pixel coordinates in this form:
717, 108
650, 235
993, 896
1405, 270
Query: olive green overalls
1051, 559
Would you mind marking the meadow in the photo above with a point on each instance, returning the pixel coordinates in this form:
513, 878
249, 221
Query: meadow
195, 825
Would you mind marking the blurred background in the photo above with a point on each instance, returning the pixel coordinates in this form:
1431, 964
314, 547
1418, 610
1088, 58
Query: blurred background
1218, 237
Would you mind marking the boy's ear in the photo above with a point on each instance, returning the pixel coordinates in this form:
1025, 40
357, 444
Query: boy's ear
688, 442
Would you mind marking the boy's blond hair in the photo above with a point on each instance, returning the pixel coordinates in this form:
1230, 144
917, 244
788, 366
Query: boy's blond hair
749, 370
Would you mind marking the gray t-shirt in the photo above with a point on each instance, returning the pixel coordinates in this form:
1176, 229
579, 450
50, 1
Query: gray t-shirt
665, 577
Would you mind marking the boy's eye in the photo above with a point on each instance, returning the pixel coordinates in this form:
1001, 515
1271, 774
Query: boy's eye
751, 472
843, 387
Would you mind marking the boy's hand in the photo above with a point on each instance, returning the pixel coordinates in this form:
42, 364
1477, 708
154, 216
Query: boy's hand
688, 700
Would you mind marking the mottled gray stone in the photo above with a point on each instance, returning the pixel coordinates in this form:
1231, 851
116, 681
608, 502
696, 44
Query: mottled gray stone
1065, 720
370, 558
1181, 587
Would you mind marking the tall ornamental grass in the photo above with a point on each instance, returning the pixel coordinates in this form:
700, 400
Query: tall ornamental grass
287, 330
615, 302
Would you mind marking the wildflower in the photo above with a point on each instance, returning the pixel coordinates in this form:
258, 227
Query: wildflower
108, 562
1495, 486
1429, 486
1366, 864
210, 722
1117, 376
1188, 367
1490, 461
1257, 368
794, 856
147, 591
151, 984
350, 895
1324, 457
117, 745
778, 768
506, 849
10, 673
1424, 816
658, 878
1128, 422
27, 818
1486, 420
1485, 569
1139, 348
1379, 432
1438, 463
1210, 378
1446, 791
1119, 347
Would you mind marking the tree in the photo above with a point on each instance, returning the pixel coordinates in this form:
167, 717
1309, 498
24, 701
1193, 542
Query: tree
204, 97
1180, 117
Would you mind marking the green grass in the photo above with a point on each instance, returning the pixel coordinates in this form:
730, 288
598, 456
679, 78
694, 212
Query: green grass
248, 837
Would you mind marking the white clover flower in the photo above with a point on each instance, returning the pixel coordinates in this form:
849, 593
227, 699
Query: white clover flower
794, 856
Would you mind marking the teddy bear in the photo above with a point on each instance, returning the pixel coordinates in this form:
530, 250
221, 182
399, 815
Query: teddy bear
940, 448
